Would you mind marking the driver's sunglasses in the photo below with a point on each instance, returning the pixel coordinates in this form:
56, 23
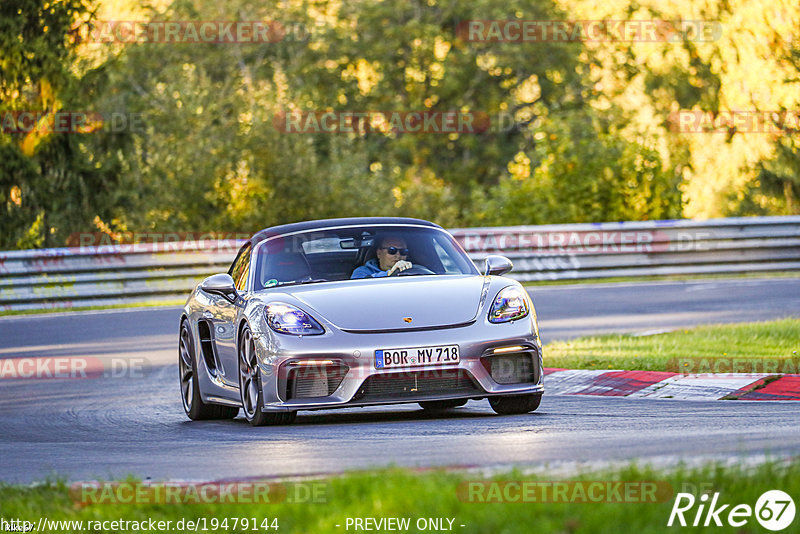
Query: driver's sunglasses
394, 250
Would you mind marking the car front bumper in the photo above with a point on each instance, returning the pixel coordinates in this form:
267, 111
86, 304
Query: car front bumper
362, 384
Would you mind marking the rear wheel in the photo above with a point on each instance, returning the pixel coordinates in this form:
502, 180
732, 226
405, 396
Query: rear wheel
515, 405
443, 404
193, 403
250, 386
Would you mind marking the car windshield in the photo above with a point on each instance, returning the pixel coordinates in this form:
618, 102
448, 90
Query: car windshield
334, 253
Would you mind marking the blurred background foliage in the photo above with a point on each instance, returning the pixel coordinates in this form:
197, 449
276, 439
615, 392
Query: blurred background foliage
580, 130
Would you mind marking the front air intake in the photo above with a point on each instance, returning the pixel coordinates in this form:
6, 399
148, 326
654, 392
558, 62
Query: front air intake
513, 367
313, 381
415, 384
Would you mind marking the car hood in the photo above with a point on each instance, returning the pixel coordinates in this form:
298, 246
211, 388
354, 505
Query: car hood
386, 304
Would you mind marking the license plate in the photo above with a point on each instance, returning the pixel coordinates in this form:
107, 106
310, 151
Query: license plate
416, 356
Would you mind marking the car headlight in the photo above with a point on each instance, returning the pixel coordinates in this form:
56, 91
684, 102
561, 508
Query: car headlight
509, 305
287, 319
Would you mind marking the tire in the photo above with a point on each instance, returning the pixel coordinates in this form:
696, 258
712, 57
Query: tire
434, 406
250, 386
515, 405
193, 404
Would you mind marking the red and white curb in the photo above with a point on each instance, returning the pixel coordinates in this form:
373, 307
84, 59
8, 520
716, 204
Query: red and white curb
665, 385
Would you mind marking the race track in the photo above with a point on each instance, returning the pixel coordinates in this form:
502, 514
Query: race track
106, 427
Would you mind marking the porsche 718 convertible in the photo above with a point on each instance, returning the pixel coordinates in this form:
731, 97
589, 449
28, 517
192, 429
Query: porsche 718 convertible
357, 312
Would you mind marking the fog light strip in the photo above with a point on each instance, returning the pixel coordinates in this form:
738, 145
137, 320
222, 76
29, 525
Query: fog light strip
515, 348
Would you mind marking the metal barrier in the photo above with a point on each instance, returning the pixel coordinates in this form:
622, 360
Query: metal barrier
122, 274
647, 248
109, 274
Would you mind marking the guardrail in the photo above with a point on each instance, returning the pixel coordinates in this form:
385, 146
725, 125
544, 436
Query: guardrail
121, 274
647, 248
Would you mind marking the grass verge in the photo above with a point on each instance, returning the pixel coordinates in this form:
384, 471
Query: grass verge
753, 347
443, 495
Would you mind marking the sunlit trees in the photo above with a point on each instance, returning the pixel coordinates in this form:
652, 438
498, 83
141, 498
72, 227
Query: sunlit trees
580, 131
51, 182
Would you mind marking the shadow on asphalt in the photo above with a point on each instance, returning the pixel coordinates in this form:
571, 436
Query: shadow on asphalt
337, 417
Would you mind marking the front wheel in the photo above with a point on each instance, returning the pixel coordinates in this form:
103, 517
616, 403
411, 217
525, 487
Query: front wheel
515, 405
250, 386
193, 403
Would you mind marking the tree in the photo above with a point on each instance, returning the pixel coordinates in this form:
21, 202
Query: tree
53, 182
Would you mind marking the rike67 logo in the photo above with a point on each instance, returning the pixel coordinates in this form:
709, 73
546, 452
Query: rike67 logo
774, 510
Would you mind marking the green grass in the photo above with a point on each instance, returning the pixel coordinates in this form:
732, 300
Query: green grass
666, 278
440, 494
776, 342
143, 304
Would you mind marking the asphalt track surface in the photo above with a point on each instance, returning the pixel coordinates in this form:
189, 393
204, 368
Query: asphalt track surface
134, 424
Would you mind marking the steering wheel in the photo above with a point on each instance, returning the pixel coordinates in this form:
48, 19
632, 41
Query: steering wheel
415, 269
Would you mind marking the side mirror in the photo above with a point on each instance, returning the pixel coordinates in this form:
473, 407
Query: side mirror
497, 265
221, 284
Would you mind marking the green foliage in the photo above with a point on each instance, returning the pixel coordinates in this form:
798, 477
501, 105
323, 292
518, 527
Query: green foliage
52, 183
579, 131
780, 177
236, 171
35, 39
212, 157
584, 173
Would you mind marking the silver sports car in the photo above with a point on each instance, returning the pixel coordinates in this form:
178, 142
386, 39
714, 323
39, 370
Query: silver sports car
357, 312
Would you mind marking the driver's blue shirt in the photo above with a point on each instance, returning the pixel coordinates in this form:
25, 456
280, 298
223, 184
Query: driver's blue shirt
370, 269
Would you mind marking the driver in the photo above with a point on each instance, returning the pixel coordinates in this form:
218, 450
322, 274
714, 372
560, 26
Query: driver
391, 259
